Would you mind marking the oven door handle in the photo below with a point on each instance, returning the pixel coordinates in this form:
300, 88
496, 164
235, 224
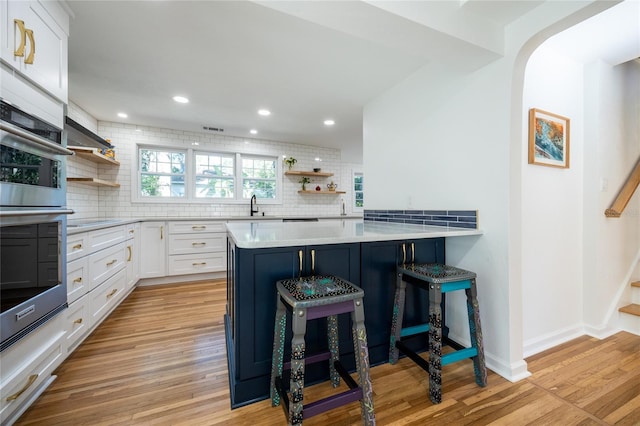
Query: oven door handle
6, 213
34, 140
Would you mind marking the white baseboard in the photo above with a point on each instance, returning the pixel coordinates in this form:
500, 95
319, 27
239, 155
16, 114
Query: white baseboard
548, 341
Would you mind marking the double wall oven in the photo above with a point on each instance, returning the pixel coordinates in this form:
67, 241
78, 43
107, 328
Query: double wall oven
32, 223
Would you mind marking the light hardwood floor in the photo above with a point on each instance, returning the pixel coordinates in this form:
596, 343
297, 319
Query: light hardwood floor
160, 359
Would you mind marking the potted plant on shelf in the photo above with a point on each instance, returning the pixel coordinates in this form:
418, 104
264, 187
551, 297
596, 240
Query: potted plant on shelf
290, 162
304, 181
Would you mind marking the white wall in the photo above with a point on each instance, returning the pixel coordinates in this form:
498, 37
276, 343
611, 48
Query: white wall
552, 211
94, 202
442, 139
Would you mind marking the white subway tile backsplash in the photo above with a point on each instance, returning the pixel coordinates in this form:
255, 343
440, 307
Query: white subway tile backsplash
89, 201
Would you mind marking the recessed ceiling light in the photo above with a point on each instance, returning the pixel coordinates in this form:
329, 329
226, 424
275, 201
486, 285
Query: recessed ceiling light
253, 131
264, 112
181, 99
329, 122
122, 115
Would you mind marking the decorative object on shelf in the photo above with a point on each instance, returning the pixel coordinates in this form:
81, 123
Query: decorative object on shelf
290, 162
318, 188
548, 139
332, 186
317, 170
304, 181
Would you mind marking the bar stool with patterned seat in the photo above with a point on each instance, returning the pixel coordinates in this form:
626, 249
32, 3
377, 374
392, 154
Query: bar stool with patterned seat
437, 279
319, 297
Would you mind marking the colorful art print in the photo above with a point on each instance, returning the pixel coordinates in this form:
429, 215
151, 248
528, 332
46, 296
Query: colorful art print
548, 139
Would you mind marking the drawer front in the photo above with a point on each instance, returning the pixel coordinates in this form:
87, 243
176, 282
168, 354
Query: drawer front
131, 229
106, 237
77, 279
193, 244
77, 246
20, 387
78, 321
107, 296
105, 263
196, 227
197, 264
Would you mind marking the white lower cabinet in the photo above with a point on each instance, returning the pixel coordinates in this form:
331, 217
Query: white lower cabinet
78, 321
197, 247
132, 254
107, 296
27, 368
153, 239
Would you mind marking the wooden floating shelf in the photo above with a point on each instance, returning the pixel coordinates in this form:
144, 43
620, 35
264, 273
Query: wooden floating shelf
303, 173
94, 182
92, 154
321, 192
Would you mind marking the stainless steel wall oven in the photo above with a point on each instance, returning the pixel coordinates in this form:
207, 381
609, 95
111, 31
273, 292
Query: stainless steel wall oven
32, 223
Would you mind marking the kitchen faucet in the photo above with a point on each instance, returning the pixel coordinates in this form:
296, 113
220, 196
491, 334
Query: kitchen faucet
254, 202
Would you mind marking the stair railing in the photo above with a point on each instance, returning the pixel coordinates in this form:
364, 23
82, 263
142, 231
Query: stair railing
625, 194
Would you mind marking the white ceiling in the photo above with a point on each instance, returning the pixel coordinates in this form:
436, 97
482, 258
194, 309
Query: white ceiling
306, 61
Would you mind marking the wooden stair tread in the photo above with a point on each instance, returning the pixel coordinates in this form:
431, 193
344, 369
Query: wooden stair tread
635, 284
633, 309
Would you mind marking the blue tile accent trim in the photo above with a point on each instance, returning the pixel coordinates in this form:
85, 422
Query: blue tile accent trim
450, 218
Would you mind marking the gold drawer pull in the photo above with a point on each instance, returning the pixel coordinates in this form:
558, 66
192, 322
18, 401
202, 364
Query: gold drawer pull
23, 39
112, 262
78, 280
198, 244
78, 321
29, 59
77, 246
114, 291
199, 264
32, 378
131, 231
199, 227
130, 253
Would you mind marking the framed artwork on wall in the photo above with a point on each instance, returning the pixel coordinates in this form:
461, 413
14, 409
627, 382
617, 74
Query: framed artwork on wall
548, 139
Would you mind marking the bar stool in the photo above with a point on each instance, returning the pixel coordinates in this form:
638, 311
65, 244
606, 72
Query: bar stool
437, 279
308, 298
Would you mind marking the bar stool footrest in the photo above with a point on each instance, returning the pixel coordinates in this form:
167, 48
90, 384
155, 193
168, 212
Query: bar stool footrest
413, 356
322, 405
458, 355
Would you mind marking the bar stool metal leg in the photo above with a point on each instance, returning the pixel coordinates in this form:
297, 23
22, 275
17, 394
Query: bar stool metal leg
396, 320
362, 363
334, 348
296, 388
435, 343
475, 331
278, 349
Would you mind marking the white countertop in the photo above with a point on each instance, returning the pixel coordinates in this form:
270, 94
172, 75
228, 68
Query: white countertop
276, 234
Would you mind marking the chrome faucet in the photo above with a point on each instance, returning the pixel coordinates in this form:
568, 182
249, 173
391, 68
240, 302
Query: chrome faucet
254, 202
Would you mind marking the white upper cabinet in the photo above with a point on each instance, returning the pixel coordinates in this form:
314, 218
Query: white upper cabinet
34, 43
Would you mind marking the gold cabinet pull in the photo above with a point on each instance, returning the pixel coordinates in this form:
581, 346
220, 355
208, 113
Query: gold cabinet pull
404, 253
78, 321
199, 264
413, 252
300, 263
32, 52
77, 246
112, 262
161, 232
131, 231
199, 227
114, 291
77, 280
198, 244
313, 262
23, 38
130, 252
32, 378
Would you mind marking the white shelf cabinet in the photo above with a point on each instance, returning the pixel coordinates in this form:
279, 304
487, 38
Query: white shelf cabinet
153, 239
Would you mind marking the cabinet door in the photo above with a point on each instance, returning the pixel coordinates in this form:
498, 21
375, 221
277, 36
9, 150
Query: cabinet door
132, 254
153, 238
47, 47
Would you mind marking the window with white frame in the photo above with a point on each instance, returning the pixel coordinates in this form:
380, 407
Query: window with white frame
215, 175
259, 177
358, 191
167, 175
162, 173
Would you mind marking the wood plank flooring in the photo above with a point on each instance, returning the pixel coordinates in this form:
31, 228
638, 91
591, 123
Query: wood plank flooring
159, 359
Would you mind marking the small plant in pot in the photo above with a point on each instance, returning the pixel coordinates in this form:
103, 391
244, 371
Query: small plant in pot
304, 181
290, 162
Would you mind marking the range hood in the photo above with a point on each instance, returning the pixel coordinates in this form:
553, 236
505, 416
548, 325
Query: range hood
77, 135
